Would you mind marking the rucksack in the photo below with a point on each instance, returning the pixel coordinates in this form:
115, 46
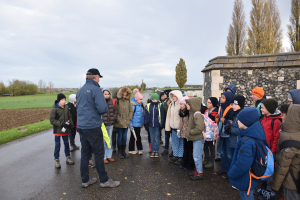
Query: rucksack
114, 103
56, 114
263, 165
272, 123
211, 131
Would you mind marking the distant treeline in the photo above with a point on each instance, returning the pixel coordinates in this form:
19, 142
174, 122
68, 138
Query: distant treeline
17, 88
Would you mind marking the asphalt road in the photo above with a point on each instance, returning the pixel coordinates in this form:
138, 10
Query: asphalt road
27, 172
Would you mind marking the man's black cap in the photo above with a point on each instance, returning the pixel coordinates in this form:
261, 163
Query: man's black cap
94, 71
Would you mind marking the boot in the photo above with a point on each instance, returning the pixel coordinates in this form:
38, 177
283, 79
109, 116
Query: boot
120, 152
57, 164
150, 148
124, 153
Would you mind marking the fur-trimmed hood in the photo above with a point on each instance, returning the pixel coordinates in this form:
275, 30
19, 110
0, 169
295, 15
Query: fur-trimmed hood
177, 94
122, 90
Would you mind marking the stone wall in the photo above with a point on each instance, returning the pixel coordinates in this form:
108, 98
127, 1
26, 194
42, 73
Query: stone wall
277, 74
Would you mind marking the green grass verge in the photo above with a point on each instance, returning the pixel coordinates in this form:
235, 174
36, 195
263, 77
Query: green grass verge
13, 134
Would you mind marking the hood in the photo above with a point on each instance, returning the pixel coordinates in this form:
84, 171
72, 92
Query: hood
194, 103
232, 88
72, 98
134, 102
229, 97
114, 92
292, 121
123, 90
296, 96
254, 131
276, 114
176, 93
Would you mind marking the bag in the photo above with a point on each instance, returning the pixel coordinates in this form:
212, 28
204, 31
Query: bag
211, 128
272, 123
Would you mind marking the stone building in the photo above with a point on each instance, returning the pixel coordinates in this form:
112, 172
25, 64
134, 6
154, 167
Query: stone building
277, 74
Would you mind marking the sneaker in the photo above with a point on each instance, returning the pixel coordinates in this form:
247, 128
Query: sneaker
218, 160
69, 161
192, 173
156, 155
234, 187
165, 152
178, 161
105, 161
72, 148
140, 152
152, 155
91, 164
224, 175
132, 152
208, 165
219, 172
110, 159
90, 182
57, 164
110, 183
197, 176
259, 191
204, 162
173, 159
267, 195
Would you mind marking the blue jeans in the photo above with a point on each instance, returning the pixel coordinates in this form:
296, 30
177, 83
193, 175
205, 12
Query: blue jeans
177, 144
57, 146
155, 138
197, 154
244, 195
92, 141
108, 151
231, 153
167, 139
122, 136
225, 154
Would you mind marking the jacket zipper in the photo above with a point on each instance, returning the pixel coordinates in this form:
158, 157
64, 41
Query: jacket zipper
153, 115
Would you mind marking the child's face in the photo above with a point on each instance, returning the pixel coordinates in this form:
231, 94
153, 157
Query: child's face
75, 100
264, 111
283, 116
163, 97
241, 125
106, 94
174, 98
223, 99
188, 107
209, 104
182, 106
62, 102
124, 95
254, 97
235, 107
154, 100
139, 101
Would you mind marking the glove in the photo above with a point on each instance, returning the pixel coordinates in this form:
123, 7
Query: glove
178, 134
146, 127
227, 130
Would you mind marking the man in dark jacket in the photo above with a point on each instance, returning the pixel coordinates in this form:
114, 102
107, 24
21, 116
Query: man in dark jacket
91, 106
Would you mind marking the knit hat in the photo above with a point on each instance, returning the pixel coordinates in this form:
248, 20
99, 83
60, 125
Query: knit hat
214, 101
106, 89
60, 96
248, 116
182, 100
270, 104
239, 100
137, 95
258, 91
167, 92
154, 96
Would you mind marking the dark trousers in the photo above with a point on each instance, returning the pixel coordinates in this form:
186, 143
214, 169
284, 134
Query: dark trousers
114, 139
188, 160
57, 146
72, 133
132, 141
167, 139
209, 148
225, 154
149, 137
92, 141
122, 136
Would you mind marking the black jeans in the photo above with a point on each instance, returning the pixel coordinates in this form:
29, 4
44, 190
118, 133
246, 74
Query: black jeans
114, 138
132, 141
92, 141
72, 133
188, 160
209, 147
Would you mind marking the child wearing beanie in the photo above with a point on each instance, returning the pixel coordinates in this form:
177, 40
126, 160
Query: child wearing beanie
257, 96
244, 155
154, 117
136, 123
209, 147
271, 123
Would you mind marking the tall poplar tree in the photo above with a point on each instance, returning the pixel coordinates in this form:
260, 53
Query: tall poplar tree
294, 27
181, 73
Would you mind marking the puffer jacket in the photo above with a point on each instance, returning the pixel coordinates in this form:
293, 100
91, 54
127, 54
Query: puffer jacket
110, 117
59, 117
288, 158
234, 128
124, 108
196, 124
184, 122
272, 135
137, 119
243, 158
173, 119
151, 115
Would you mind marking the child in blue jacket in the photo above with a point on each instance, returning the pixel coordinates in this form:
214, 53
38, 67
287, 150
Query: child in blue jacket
154, 118
243, 158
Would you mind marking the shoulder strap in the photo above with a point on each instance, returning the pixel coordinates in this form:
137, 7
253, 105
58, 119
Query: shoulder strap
196, 113
244, 140
134, 109
272, 123
114, 103
56, 114
226, 110
290, 143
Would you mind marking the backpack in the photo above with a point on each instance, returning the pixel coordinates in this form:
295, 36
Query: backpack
263, 165
272, 123
114, 103
56, 114
211, 131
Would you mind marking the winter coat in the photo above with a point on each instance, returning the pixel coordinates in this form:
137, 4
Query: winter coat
288, 158
257, 106
124, 108
91, 105
229, 97
114, 93
73, 111
137, 119
243, 158
110, 117
272, 136
184, 122
151, 117
232, 88
196, 124
234, 128
173, 119
295, 95
59, 117
212, 115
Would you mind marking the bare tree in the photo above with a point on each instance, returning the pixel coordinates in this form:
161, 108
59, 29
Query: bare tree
51, 87
294, 27
40, 85
236, 39
44, 86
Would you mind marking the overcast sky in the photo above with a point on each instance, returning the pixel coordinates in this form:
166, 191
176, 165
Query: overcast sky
59, 40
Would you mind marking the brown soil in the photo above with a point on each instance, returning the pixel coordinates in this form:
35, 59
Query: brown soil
20, 117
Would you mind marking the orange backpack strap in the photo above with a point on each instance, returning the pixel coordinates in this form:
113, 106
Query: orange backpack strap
226, 111
114, 103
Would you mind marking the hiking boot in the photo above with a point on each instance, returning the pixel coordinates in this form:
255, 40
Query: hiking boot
90, 182
178, 161
120, 152
57, 164
197, 176
69, 161
165, 152
219, 172
140, 152
132, 152
204, 162
110, 183
152, 155
259, 191
173, 159
110, 159
234, 187
156, 155
150, 148
105, 161
91, 164
124, 153
208, 165
171, 154
267, 195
